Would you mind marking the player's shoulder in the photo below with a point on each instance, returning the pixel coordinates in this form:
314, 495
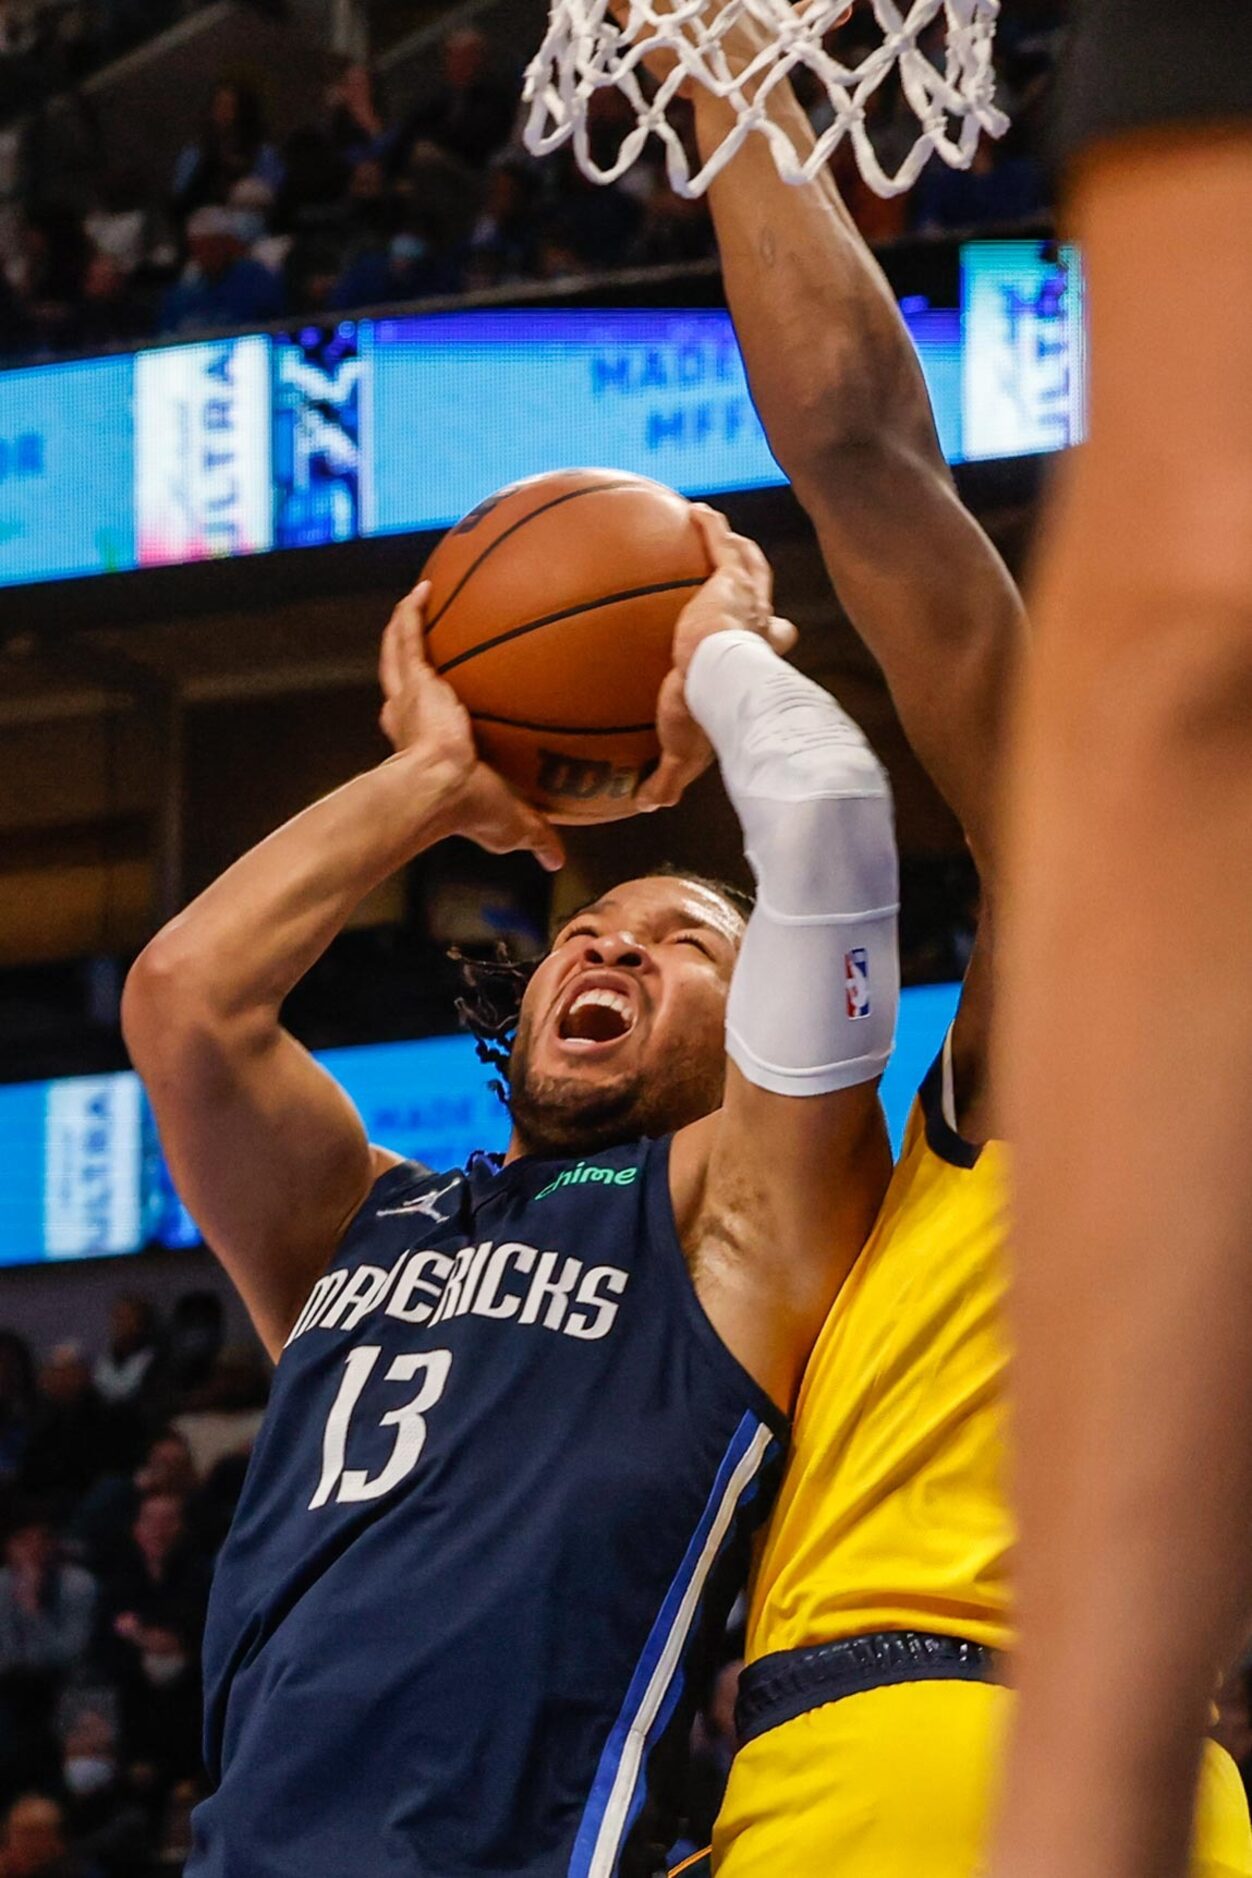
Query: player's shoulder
409, 1190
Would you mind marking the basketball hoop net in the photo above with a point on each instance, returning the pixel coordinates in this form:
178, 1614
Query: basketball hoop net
586, 51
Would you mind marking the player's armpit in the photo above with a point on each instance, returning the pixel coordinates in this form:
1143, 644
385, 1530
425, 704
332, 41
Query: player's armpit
775, 1197
265, 1148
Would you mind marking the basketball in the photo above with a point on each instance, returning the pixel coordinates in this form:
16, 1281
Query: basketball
552, 614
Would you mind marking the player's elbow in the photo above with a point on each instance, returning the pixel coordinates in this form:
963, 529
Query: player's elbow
167, 999
848, 479
851, 421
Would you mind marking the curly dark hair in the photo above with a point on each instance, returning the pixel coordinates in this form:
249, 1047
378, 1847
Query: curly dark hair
490, 1004
490, 1007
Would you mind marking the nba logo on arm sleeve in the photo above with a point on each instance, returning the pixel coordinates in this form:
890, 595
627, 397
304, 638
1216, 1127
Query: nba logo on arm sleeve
856, 982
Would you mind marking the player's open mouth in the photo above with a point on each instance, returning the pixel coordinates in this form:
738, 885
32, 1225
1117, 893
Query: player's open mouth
594, 1017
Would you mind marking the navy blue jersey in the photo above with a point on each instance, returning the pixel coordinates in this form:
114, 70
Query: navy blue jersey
501, 1502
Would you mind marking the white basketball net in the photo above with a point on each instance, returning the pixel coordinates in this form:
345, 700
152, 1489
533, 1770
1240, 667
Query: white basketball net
586, 50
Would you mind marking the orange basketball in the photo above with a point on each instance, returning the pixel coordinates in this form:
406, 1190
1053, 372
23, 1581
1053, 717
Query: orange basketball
552, 615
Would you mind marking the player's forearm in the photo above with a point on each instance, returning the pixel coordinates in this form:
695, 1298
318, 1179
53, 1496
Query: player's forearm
249, 938
813, 1000
833, 371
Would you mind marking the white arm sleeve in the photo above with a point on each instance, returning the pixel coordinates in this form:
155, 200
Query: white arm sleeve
816, 989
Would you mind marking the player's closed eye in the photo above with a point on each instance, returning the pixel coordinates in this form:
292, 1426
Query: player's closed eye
694, 939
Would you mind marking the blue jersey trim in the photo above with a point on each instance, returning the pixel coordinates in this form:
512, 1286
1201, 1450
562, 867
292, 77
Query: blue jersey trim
618, 1788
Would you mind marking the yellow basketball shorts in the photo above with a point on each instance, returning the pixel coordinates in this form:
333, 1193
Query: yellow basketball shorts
898, 1781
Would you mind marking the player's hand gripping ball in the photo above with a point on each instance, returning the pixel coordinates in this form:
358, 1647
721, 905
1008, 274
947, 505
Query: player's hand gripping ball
552, 613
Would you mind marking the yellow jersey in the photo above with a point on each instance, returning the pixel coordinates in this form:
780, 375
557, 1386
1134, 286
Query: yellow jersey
894, 1511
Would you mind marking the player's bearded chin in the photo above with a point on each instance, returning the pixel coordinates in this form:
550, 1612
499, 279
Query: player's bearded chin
568, 1115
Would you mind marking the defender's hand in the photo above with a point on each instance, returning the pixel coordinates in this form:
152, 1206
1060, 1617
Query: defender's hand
739, 595
422, 714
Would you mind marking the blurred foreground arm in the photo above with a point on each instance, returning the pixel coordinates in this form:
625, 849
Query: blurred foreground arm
1126, 1054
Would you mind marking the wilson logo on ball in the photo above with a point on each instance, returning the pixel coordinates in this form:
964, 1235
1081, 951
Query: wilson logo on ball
581, 780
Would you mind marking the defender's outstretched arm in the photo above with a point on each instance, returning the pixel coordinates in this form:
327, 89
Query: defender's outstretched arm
840, 392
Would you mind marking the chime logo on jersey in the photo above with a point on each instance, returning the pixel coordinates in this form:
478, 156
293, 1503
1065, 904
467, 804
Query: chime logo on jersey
578, 1176
856, 982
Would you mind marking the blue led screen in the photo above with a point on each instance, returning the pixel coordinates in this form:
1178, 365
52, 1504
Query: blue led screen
333, 433
66, 470
81, 1172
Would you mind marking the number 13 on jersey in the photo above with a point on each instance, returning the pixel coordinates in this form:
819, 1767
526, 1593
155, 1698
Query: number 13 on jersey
349, 1484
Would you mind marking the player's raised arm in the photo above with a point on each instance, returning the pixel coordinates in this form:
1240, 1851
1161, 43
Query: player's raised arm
776, 1194
841, 395
266, 1149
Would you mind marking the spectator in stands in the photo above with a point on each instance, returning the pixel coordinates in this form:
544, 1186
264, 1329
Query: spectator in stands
253, 204
232, 144
47, 1616
176, 1834
370, 210
504, 238
33, 1843
194, 1342
221, 285
120, 224
155, 1597
408, 264
587, 228
109, 310
470, 116
311, 199
75, 1436
17, 1403
123, 1368
102, 1528
354, 128
107, 1821
157, 1581
47, 274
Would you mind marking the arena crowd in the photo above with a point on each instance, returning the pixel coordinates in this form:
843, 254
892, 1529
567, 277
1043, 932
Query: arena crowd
119, 1472
365, 206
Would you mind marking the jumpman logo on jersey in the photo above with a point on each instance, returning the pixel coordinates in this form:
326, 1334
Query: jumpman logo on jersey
425, 1204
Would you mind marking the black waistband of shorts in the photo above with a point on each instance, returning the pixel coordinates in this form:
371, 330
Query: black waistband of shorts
777, 1688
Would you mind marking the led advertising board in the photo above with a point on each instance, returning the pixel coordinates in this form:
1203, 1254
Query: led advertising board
336, 432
